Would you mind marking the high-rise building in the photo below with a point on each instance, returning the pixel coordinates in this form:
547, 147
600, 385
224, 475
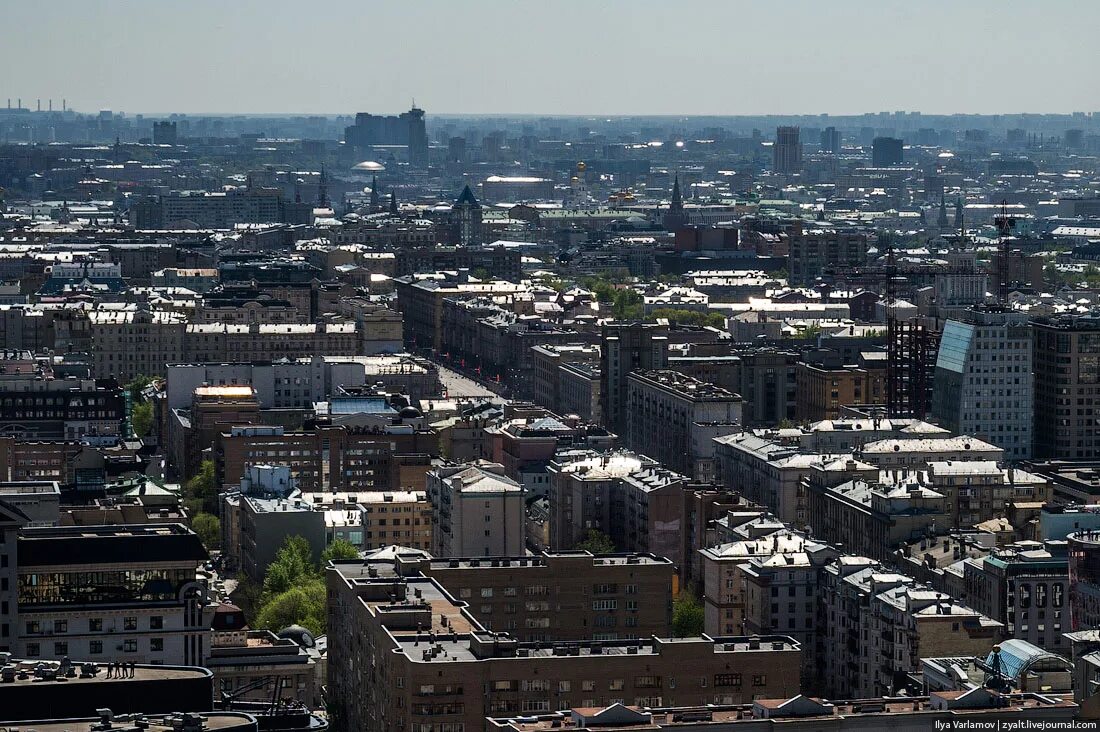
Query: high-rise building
787, 151
164, 133
983, 382
406, 128
830, 140
627, 347
886, 151
1067, 371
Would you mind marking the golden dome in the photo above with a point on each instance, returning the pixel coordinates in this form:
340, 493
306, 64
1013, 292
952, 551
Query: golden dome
581, 167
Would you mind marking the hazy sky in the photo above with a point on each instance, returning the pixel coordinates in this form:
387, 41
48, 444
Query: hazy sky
559, 57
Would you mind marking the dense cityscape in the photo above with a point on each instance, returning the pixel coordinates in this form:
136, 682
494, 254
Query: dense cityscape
429, 422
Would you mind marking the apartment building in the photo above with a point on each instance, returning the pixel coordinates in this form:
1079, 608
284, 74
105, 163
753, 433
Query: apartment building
125, 343
583, 597
476, 511
40, 407
673, 419
401, 650
772, 473
735, 574
878, 624
1025, 586
872, 517
818, 252
324, 457
826, 384
110, 593
915, 452
627, 496
220, 342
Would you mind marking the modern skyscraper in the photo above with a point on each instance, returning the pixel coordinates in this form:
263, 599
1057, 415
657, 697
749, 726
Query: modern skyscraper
1067, 371
886, 151
983, 384
787, 151
830, 140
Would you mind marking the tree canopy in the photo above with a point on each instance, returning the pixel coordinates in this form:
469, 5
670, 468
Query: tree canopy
294, 585
688, 618
597, 542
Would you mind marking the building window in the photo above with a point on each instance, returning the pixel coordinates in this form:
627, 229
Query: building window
129, 646
61, 626
760, 680
156, 622
95, 647
61, 649
156, 644
129, 622
727, 679
95, 625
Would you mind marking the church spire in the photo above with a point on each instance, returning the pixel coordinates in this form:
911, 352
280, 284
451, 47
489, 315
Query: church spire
322, 189
677, 199
942, 222
393, 201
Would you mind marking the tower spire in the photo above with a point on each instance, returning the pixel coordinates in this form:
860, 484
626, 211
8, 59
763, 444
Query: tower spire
322, 188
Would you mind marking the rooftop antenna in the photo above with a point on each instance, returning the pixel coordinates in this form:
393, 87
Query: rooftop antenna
1005, 225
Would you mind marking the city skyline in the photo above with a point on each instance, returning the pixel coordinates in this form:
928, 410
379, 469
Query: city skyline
744, 60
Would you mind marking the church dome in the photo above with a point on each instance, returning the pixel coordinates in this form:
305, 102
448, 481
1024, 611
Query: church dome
369, 166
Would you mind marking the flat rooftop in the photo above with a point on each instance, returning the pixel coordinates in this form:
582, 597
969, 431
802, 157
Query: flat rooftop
25, 673
130, 723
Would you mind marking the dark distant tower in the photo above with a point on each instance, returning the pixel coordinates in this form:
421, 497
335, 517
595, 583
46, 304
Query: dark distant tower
118, 151
466, 213
675, 219
418, 137
886, 151
375, 202
787, 151
960, 222
942, 221
322, 188
393, 202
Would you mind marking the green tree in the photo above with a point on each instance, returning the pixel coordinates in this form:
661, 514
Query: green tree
339, 549
209, 528
141, 417
202, 488
292, 565
689, 317
597, 542
137, 385
627, 305
482, 274
688, 618
809, 332
303, 604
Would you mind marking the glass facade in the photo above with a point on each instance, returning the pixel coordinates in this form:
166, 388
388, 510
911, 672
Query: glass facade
117, 586
954, 346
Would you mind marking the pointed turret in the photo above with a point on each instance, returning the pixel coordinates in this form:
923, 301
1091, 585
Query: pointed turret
942, 221
960, 220
393, 202
675, 219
